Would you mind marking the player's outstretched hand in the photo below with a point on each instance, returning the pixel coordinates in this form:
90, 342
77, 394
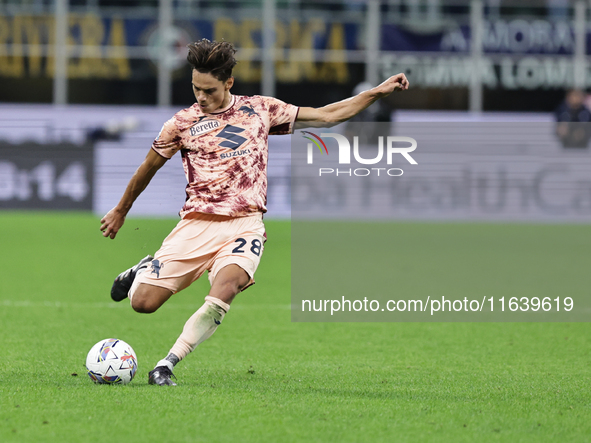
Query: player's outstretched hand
112, 222
397, 82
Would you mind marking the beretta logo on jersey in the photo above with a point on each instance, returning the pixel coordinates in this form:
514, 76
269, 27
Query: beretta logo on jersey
204, 126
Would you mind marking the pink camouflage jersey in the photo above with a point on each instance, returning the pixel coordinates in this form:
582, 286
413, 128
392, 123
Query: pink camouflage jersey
225, 153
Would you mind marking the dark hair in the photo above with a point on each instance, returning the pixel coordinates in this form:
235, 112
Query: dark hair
215, 58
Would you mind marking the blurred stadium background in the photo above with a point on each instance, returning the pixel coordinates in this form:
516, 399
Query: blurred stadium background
91, 81
85, 86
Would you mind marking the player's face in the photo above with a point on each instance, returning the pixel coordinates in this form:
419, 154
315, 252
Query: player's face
211, 93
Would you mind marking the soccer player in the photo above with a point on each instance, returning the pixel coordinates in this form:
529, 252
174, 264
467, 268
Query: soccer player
223, 139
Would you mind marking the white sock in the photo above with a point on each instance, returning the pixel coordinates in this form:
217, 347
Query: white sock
165, 363
170, 361
200, 326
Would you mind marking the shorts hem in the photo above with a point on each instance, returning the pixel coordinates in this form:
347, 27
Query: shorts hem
160, 284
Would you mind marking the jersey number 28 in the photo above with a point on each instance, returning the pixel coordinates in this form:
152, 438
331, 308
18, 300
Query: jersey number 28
255, 246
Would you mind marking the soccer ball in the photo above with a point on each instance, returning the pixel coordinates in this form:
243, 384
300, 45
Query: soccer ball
111, 361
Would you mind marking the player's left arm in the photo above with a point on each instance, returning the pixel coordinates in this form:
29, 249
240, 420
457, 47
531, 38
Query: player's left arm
341, 111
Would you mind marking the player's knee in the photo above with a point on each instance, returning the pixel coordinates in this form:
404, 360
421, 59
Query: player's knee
147, 298
144, 303
143, 306
229, 282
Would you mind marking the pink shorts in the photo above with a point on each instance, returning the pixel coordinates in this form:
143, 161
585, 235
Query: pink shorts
206, 242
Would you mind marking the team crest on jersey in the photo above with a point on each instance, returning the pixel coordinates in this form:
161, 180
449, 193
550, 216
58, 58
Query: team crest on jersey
248, 110
204, 126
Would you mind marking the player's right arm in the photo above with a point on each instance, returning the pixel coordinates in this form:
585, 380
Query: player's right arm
114, 219
166, 144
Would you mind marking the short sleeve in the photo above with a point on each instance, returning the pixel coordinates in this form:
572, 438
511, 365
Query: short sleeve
168, 141
282, 116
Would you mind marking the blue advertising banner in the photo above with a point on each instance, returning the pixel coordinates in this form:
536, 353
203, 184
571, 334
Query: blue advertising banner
500, 36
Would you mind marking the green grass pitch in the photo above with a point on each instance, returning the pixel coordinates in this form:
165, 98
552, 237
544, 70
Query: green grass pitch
262, 378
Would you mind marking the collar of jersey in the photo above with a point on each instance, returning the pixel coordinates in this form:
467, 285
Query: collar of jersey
232, 101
